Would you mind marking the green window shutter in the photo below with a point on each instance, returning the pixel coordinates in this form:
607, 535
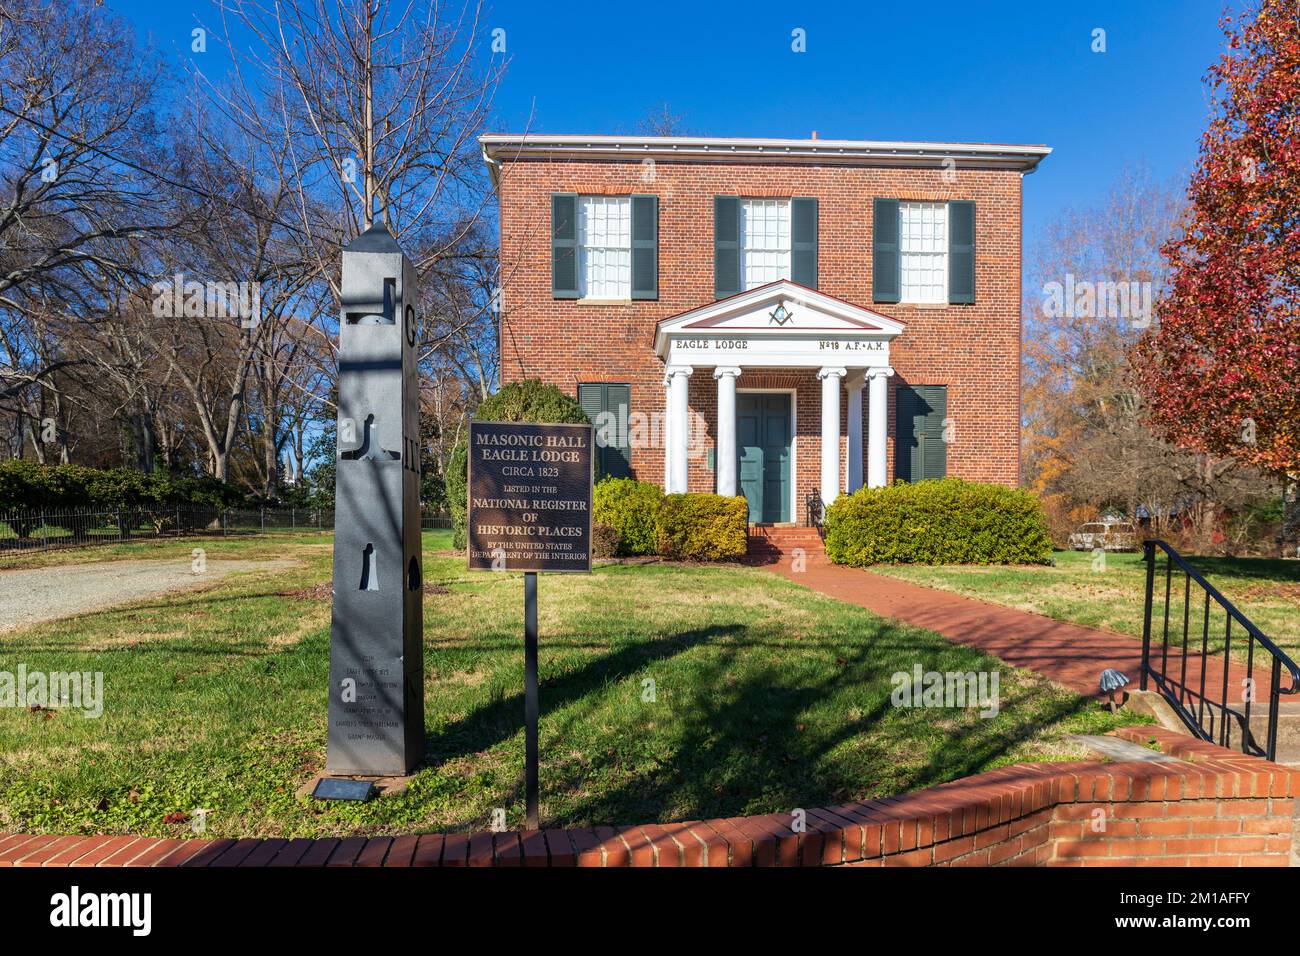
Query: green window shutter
608, 407
726, 246
961, 252
934, 450
618, 453
803, 242
886, 262
564, 246
906, 442
919, 450
591, 398
645, 247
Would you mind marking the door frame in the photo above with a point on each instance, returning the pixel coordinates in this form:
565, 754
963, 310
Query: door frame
794, 443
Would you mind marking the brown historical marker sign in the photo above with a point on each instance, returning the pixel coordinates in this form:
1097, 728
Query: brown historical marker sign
529, 502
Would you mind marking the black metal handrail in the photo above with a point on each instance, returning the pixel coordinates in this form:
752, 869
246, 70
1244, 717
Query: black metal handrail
816, 509
1210, 716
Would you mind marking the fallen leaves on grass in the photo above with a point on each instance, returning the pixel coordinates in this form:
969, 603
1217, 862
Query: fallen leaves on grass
317, 592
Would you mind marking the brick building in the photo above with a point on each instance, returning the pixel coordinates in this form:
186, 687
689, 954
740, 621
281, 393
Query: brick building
783, 319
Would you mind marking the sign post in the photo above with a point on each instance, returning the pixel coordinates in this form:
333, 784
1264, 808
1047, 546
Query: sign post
530, 698
529, 509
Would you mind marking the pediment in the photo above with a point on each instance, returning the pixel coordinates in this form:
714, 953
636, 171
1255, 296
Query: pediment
781, 309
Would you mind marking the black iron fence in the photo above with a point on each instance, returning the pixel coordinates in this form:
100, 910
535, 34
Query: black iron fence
44, 528
1208, 672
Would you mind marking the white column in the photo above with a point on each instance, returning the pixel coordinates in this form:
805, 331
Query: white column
877, 417
679, 426
831, 380
668, 433
726, 457
855, 434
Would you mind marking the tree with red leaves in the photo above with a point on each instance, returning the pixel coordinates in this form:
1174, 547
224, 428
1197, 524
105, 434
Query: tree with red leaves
1221, 369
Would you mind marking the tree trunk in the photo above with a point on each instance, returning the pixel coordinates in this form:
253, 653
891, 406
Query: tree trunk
144, 440
1288, 538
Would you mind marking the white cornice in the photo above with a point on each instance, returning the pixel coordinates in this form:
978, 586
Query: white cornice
499, 147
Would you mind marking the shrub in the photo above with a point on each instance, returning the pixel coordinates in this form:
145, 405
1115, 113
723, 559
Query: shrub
605, 541
526, 401
702, 527
27, 484
949, 521
631, 508
457, 478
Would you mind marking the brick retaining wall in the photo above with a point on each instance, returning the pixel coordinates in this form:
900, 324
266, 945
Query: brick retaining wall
1210, 807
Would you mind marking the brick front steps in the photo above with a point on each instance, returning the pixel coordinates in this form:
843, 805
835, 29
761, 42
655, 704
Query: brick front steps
776, 545
1209, 807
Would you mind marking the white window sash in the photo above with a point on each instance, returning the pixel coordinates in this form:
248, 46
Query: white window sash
923, 251
765, 241
605, 247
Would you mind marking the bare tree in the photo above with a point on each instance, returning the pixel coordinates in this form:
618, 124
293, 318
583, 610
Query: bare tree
375, 109
1088, 446
75, 122
662, 121
371, 111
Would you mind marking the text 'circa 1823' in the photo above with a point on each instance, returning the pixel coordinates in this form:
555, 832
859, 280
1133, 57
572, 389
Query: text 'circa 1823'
529, 501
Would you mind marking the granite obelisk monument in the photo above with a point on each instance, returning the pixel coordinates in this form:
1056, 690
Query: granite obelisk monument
376, 696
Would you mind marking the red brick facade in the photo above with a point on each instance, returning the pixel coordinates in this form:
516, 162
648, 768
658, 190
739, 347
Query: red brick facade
972, 349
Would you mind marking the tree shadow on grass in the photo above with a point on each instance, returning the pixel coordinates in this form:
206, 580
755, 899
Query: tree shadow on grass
754, 749
500, 720
1277, 570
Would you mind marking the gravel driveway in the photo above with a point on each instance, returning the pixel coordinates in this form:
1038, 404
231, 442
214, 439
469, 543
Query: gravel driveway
45, 594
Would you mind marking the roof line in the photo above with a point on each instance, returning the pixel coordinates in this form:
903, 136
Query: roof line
1023, 157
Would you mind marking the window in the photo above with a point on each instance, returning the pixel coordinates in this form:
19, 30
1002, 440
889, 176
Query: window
921, 432
923, 243
608, 407
764, 241
605, 247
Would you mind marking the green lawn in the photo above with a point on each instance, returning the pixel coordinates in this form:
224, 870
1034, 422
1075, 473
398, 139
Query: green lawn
1266, 590
766, 697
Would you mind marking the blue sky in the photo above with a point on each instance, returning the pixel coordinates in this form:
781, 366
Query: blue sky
972, 71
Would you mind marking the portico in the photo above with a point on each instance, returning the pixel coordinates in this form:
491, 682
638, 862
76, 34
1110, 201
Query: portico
779, 327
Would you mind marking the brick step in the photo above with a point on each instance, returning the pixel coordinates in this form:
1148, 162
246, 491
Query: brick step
787, 542
785, 548
786, 535
775, 545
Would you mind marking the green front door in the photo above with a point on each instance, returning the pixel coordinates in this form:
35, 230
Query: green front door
763, 440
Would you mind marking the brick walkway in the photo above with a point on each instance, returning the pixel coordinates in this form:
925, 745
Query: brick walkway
1070, 654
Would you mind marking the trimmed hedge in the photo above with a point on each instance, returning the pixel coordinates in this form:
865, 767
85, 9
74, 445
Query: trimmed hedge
949, 521
526, 401
703, 527
631, 508
27, 484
